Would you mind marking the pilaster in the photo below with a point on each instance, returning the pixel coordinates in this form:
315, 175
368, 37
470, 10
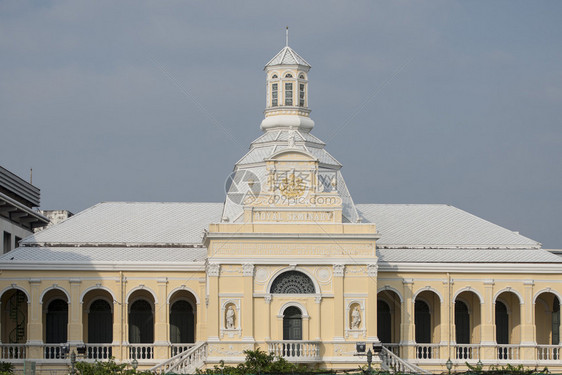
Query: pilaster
34, 326
407, 326
267, 300
161, 317
75, 331
248, 302
371, 320
339, 319
213, 324
528, 329
446, 320
317, 315
488, 350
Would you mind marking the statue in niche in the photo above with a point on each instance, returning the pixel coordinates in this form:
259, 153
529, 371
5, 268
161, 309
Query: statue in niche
355, 318
230, 317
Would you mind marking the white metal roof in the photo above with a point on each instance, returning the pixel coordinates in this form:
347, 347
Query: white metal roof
437, 225
287, 56
86, 255
133, 223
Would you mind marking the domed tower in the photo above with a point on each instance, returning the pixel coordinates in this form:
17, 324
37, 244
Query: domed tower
287, 176
287, 92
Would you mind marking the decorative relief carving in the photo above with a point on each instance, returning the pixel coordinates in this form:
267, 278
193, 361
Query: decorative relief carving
350, 270
267, 298
227, 350
262, 274
248, 269
344, 349
339, 270
323, 274
213, 269
226, 269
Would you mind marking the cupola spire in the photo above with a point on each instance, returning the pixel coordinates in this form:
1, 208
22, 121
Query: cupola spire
287, 91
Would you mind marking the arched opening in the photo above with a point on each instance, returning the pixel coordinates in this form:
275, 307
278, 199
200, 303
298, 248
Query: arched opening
547, 324
388, 319
14, 322
427, 320
14, 317
292, 323
502, 328
384, 322
508, 324
100, 329
467, 325
97, 323
293, 282
183, 320
182, 327
55, 322
462, 323
422, 322
56, 327
141, 322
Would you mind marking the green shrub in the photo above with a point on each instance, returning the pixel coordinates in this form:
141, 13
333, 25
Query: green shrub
6, 368
106, 368
260, 362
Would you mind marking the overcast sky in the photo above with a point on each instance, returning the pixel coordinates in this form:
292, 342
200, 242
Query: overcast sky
422, 102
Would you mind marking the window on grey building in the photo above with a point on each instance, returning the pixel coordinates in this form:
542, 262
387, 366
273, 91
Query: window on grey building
7, 242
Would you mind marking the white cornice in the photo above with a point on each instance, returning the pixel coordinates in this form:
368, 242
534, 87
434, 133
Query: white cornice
316, 236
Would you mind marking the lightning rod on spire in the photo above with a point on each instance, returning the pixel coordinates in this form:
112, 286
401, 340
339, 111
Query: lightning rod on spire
286, 36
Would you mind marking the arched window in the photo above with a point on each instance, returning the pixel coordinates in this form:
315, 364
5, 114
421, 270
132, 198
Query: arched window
288, 75
182, 327
141, 323
100, 322
384, 322
293, 282
57, 322
292, 323
274, 76
462, 323
301, 76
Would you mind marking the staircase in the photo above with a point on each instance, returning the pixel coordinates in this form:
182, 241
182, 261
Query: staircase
392, 363
185, 362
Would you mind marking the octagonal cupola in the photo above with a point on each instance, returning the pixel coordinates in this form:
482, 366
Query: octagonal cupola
287, 92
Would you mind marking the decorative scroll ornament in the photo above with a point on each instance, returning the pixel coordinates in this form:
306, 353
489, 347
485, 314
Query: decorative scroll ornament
213, 269
293, 282
339, 270
372, 270
248, 269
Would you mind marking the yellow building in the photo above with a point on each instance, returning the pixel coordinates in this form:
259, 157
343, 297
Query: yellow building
288, 264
